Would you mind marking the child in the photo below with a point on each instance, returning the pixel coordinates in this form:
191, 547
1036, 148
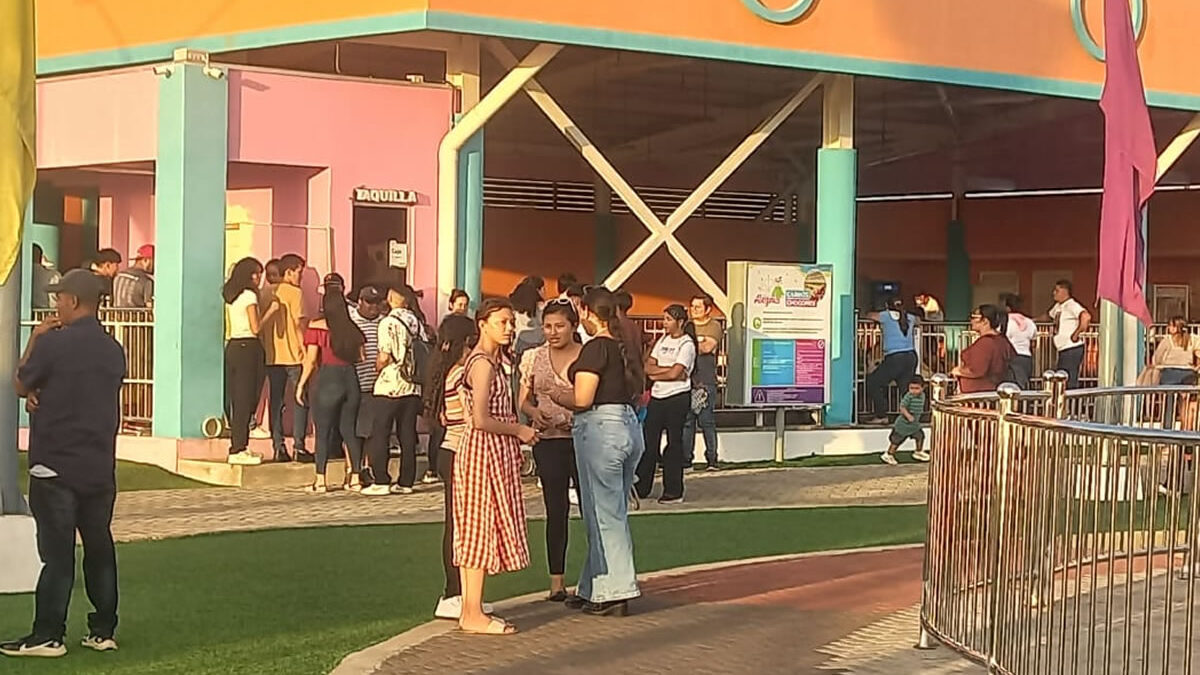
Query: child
908, 423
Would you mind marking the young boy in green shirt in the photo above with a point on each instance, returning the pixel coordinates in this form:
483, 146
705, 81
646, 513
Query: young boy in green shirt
908, 423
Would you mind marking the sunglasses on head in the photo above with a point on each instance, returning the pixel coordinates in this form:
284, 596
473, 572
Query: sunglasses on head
559, 301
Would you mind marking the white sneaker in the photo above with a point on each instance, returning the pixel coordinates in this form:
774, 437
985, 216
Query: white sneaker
245, 458
888, 458
429, 479
451, 608
376, 490
31, 646
921, 456
100, 644
259, 433
401, 490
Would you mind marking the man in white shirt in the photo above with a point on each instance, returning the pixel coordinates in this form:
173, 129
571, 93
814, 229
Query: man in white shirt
44, 276
1071, 319
1021, 332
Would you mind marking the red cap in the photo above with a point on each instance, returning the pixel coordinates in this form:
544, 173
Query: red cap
145, 252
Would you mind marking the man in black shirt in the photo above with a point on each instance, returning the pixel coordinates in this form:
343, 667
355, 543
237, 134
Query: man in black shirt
71, 376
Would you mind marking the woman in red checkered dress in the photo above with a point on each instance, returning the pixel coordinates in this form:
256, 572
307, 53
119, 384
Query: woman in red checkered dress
489, 512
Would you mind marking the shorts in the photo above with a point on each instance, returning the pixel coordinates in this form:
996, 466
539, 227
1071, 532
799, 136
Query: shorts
897, 439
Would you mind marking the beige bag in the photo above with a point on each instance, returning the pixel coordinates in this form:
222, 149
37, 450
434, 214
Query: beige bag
1149, 377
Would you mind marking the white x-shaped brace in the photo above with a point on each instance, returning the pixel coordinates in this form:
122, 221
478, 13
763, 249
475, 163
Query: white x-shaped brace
660, 233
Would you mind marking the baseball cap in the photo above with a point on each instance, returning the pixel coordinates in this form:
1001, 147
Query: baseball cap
82, 284
145, 252
370, 294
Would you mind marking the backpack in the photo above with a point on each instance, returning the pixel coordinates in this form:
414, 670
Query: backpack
417, 360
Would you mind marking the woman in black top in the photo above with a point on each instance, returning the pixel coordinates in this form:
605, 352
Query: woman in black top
608, 446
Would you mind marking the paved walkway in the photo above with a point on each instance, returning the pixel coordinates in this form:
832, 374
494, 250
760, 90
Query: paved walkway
844, 613
160, 514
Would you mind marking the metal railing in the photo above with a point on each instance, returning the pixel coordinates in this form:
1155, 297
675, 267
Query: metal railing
1063, 529
134, 330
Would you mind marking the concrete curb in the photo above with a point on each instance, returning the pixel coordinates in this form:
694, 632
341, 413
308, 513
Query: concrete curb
369, 660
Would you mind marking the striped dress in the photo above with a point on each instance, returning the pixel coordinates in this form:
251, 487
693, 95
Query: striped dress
489, 512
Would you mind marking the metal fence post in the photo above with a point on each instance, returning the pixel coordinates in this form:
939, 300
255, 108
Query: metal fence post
1005, 440
939, 384
1054, 382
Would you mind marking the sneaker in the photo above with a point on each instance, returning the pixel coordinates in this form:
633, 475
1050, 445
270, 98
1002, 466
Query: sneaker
100, 643
401, 490
376, 490
305, 457
244, 458
430, 478
451, 608
667, 501
33, 646
921, 456
1165, 490
888, 458
259, 434
712, 467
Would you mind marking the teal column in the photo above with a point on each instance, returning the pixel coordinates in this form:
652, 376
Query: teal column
957, 303
47, 236
189, 216
837, 190
26, 267
470, 217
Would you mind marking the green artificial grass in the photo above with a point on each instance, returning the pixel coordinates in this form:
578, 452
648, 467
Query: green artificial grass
296, 602
819, 461
131, 476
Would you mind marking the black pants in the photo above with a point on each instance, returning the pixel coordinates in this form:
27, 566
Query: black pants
445, 464
664, 414
245, 369
1070, 360
59, 511
898, 367
1020, 369
400, 413
433, 447
555, 459
335, 412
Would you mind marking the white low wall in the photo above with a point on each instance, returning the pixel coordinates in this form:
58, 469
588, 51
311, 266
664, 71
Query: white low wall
759, 444
19, 561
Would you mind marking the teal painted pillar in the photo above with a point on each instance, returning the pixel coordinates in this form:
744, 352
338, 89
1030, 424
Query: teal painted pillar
470, 217
837, 189
189, 215
47, 236
26, 267
957, 303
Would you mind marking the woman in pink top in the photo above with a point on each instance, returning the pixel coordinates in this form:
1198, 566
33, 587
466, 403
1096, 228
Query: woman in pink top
544, 372
333, 344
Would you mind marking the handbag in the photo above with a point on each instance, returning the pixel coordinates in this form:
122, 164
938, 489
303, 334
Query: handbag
699, 399
1149, 377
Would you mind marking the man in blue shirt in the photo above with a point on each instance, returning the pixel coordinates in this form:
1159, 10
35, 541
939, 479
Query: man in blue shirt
71, 375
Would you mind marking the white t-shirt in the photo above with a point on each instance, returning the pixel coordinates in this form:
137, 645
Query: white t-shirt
667, 352
239, 319
1066, 315
1021, 332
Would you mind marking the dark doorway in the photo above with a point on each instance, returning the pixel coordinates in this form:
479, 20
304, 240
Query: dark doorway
380, 241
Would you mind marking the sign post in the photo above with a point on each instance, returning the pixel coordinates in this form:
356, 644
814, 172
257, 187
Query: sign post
779, 336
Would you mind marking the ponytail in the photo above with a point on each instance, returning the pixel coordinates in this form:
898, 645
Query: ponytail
601, 302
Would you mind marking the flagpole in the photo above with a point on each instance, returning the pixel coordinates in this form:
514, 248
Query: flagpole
1134, 333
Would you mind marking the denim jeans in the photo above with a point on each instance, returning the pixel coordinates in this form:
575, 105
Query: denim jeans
707, 420
335, 409
60, 510
608, 446
1071, 360
279, 378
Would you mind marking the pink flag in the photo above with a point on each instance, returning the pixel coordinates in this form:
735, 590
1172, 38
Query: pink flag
1130, 162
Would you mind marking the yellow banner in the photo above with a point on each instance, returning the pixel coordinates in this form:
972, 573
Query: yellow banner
18, 93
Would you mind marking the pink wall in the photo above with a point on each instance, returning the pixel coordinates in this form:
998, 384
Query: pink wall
97, 119
364, 133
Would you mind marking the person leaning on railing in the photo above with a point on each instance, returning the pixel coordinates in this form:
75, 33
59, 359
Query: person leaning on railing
1174, 361
897, 327
985, 364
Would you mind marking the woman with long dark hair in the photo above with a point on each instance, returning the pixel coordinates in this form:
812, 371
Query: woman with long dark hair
898, 331
1175, 356
334, 344
544, 373
985, 364
669, 366
489, 512
456, 338
245, 361
608, 447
